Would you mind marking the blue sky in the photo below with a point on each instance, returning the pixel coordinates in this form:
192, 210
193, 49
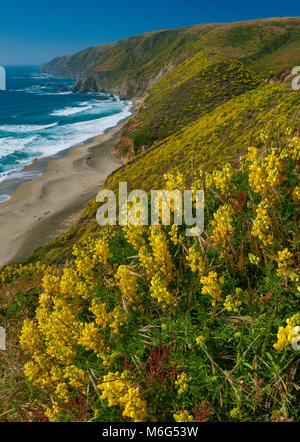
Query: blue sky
33, 32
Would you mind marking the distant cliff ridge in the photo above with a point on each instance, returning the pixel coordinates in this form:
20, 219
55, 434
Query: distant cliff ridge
132, 66
72, 66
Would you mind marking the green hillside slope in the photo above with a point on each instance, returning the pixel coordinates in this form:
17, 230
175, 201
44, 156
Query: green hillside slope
220, 136
194, 88
132, 66
72, 66
144, 323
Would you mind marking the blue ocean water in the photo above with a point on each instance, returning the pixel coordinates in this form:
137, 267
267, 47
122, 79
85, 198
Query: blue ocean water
40, 117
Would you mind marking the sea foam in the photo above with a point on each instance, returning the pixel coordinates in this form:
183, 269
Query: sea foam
70, 111
24, 128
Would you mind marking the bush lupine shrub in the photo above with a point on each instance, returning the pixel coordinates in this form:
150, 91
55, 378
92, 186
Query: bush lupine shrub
145, 323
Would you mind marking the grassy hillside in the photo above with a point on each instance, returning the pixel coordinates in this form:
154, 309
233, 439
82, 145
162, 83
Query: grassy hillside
144, 323
220, 136
194, 88
132, 65
214, 138
74, 65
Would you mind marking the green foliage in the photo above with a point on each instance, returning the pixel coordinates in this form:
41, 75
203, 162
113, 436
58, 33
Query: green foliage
132, 65
197, 352
215, 138
186, 325
191, 90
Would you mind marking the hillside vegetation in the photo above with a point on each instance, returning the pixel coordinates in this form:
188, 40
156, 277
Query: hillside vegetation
146, 324
142, 323
194, 88
72, 66
131, 66
216, 137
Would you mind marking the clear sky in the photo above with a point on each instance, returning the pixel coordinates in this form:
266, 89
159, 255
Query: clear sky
33, 32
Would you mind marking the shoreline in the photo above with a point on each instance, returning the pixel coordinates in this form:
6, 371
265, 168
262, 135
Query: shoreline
42, 208
38, 166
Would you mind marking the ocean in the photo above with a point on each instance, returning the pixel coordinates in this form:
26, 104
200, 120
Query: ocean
40, 117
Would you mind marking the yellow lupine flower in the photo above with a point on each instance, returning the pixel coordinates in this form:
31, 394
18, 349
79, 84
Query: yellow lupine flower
76, 377
253, 259
222, 226
284, 260
232, 303
174, 236
212, 286
90, 337
183, 416
182, 382
195, 260
121, 390
287, 335
127, 282
160, 291
262, 223
160, 249
135, 235
30, 338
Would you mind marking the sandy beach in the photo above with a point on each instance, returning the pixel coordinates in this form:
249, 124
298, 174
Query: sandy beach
41, 209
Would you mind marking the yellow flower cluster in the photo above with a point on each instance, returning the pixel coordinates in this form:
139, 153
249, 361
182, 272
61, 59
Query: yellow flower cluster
62, 392
175, 237
52, 412
77, 377
89, 258
12, 272
264, 172
212, 286
160, 249
127, 281
183, 416
200, 340
68, 282
264, 136
222, 226
30, 338
174, 181
195, 260
296, 194
177, 182
53, 337
160, 291
235, 413
99, 309
135, 235
121, 390
77, 380
252, 154
232, 303
50, 367
101, 251
254, 259
147, 261
182, 382
287, 335
59, 328
118, 317
292, 148
262, 223
220, 178
284, 260
91, 338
